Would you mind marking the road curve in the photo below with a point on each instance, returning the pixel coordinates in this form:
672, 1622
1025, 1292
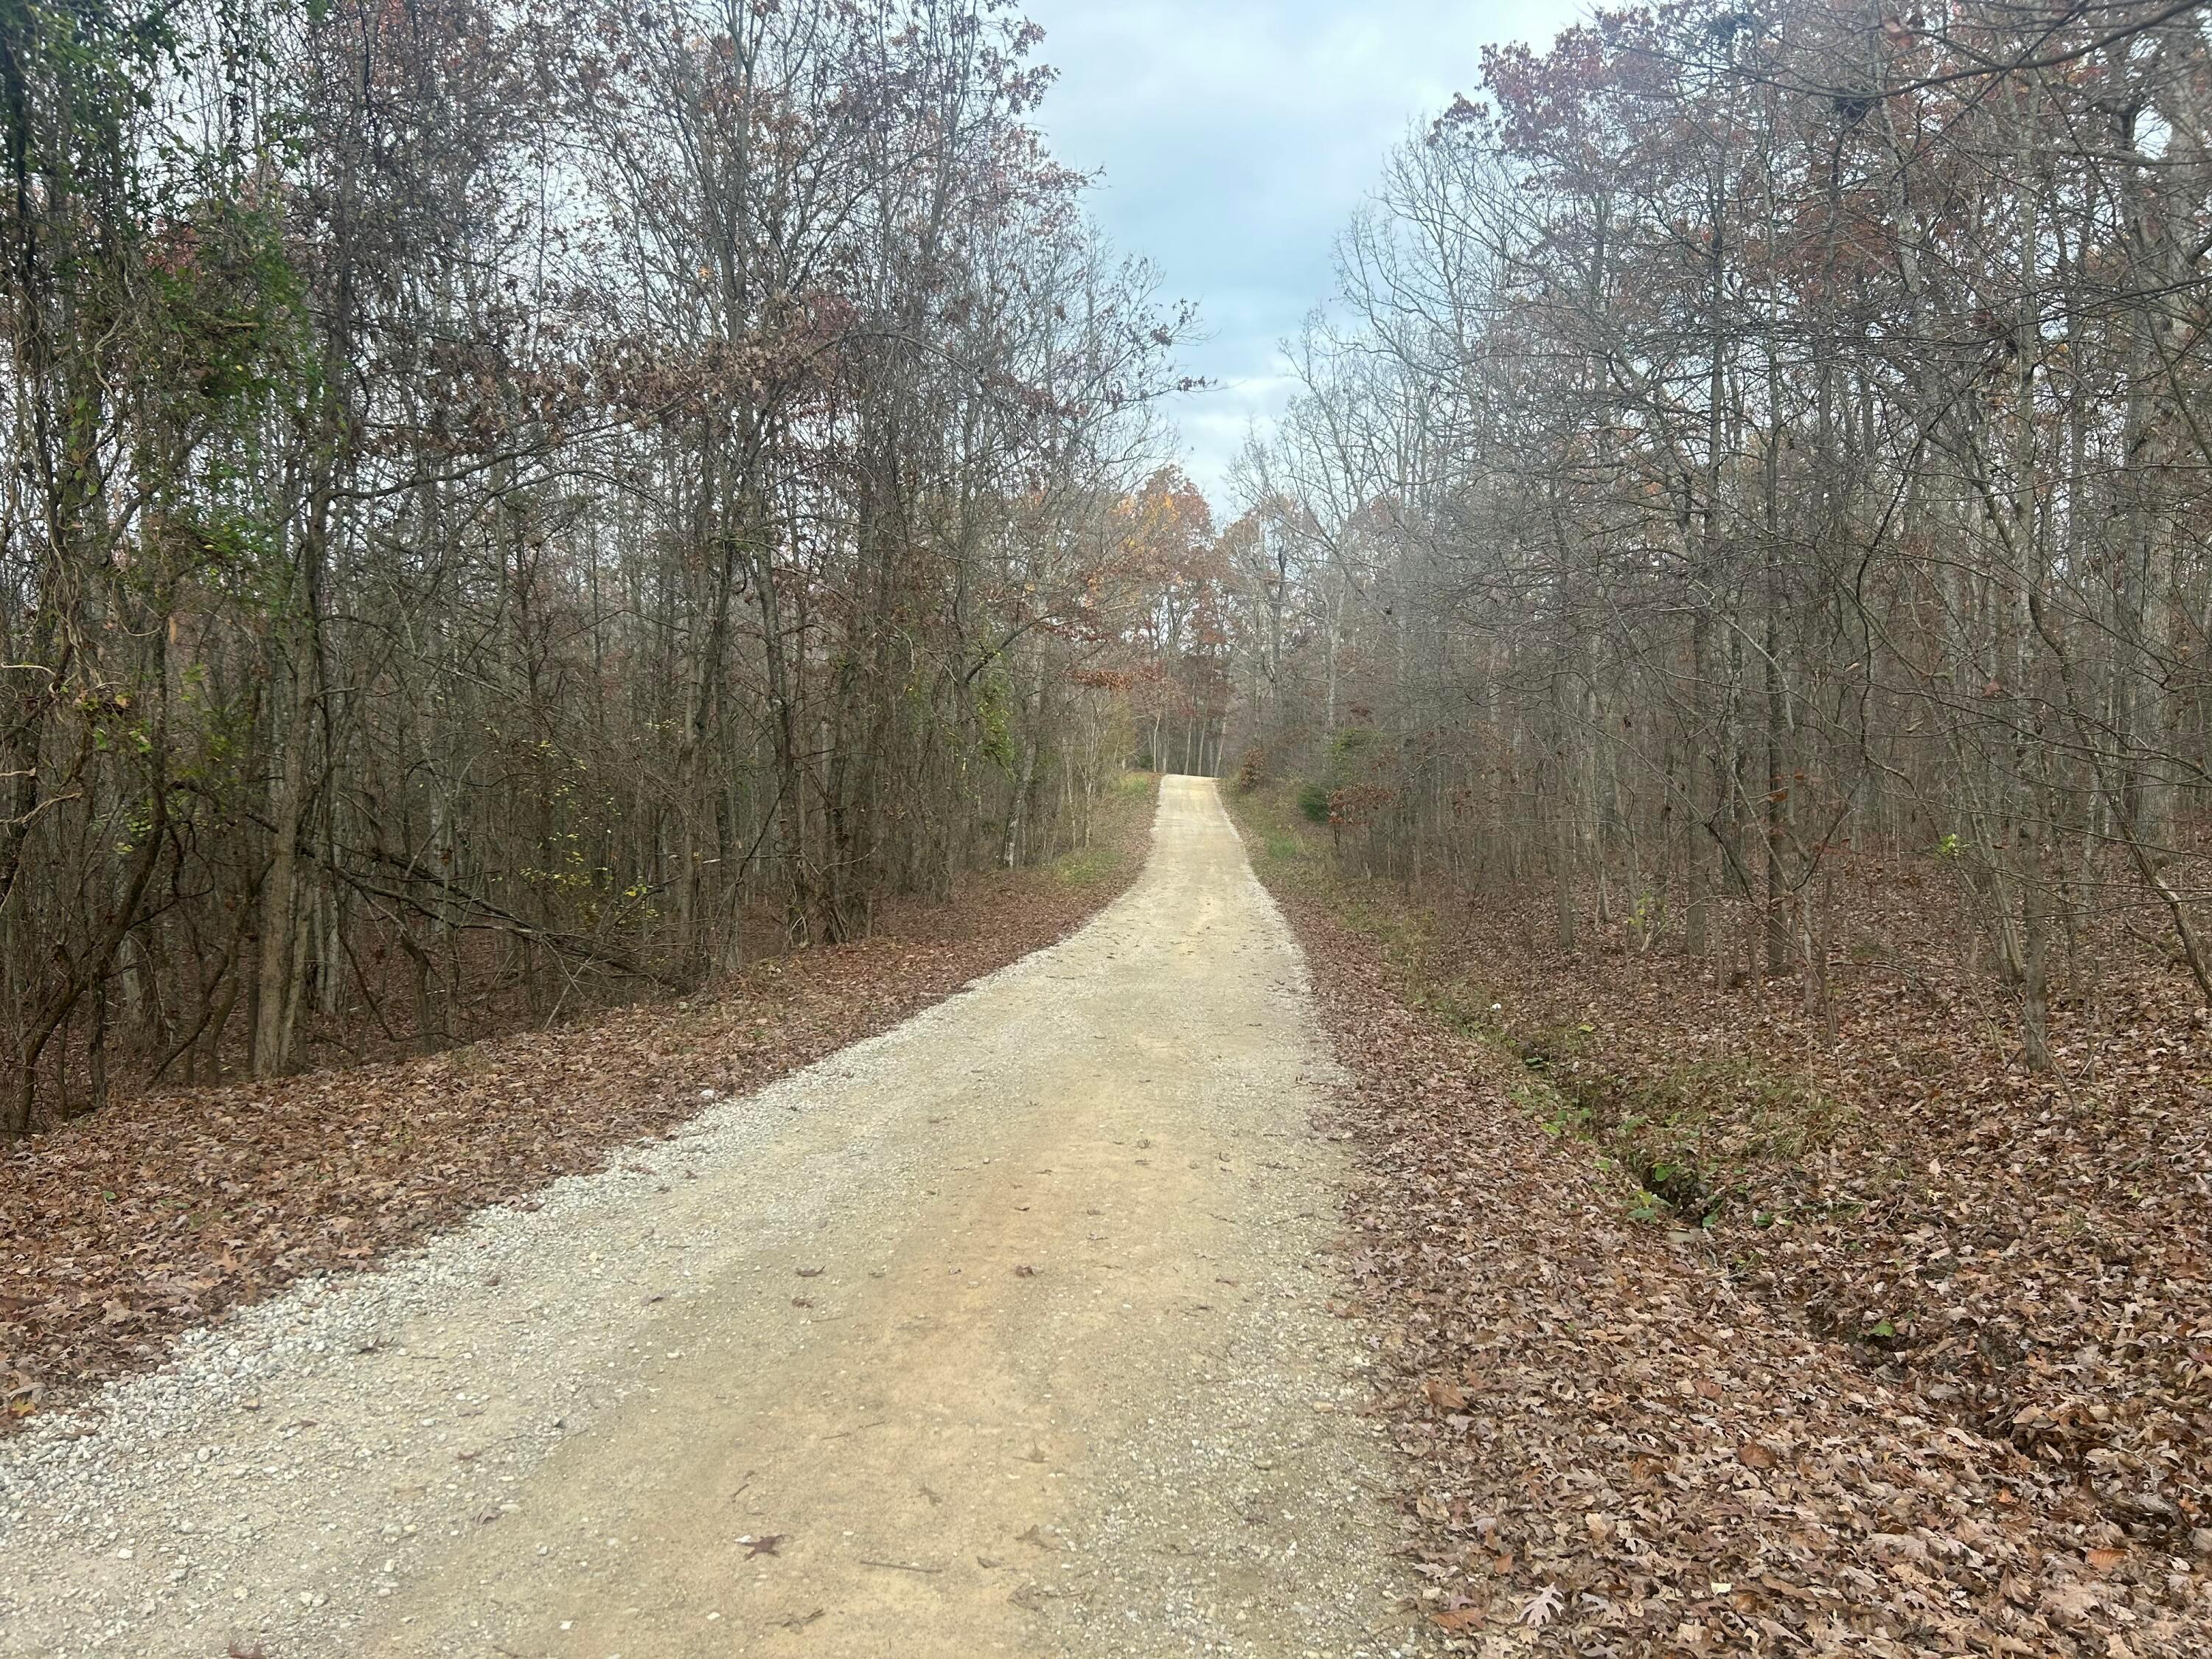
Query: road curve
1005, 1332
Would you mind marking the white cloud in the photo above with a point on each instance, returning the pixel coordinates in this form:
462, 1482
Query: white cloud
1236, 137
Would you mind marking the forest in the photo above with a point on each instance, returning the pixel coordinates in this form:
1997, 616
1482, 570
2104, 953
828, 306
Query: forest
514, 509
1745, 448
1723, 628
510, 508
563, 565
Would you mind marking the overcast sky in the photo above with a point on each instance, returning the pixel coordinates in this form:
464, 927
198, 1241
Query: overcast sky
1236, 136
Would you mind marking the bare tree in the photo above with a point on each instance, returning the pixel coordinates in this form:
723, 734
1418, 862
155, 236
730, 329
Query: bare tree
1768, 436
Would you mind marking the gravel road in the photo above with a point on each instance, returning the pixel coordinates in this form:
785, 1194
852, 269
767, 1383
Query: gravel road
1005, 1332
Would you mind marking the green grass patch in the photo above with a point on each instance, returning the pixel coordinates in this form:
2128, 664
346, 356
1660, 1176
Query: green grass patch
1709, 1134
1286, 850
1086, 867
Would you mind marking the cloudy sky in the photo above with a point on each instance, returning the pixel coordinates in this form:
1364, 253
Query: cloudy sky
1236, 137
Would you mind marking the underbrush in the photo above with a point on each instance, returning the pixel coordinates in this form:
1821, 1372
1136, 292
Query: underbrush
2028, 1255
1123, 813
1609, 1448
163, 1211
1086, 868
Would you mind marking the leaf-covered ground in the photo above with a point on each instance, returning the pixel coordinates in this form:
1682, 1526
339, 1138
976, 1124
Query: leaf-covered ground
120, 1230
1633, 1434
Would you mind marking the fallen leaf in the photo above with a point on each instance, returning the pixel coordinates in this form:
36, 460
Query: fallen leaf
1542, 1606
493, 1123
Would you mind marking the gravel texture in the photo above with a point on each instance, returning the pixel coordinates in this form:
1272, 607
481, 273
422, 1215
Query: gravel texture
1008, 1331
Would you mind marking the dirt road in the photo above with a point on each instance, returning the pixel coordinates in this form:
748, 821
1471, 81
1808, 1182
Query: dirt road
1006, 1332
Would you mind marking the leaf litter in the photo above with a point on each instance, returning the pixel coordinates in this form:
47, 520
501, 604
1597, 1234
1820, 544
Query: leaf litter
1619, 1440
120, 1230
